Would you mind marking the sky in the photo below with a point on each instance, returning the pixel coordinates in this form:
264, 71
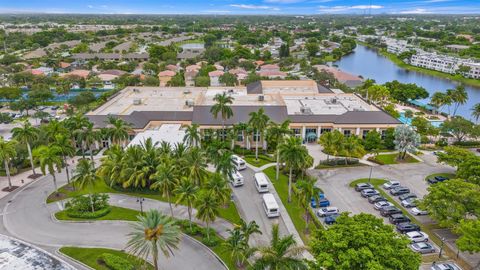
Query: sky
205, 7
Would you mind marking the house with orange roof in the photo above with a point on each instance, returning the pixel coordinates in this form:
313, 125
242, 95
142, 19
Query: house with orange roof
215, 77
165, 76
78, 72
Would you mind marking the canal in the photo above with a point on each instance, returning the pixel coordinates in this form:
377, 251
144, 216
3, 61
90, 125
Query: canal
369, 64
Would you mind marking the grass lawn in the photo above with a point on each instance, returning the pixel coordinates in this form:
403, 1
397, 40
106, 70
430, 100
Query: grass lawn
447, 175
262, 160
325, 166
90, 257
295, 211
386, 159
117, 213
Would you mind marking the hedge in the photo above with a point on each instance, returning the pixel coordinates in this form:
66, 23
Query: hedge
89, 215
467, 143
114, 262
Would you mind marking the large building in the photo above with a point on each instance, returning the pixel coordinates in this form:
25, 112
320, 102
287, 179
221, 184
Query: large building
312, 109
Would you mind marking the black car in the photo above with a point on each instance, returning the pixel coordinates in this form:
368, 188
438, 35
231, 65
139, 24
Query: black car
399, 191
398, 218
390, 210
376, 198
407, 227
407, 196
437, 179
362, 186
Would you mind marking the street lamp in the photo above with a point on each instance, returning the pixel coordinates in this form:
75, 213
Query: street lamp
441, 247
370, 176
140, 201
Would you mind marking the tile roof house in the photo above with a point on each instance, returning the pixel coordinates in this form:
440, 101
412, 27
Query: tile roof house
165, 76
240, 73
190, 75
78, 72
215, 77
348, 79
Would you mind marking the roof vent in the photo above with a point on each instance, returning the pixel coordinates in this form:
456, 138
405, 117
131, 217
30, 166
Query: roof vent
137, 101
186, 91
261, 98
306, 110
189, 103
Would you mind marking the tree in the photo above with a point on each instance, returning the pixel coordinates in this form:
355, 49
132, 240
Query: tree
223, 107
469, 239
152, 233
451, 201
459, 97
377, 93
275, 135
405, 92
196, 168
476, 112
422, 125
258, 121
406, 140
373, 140
192, 135
238, 247
454, 156
458, 127
228, 79
166, 178
85, 177
186, 192
64, 143
439, 100
87, 137
118, 130
50, 160
361, 242
202, 81
312, 48
352, 147
207, 209
306, 191
26, 134
283, 253
209, 40
332, 142
82, 99
390, 109
223, 164
7, 152
10, 93
469, 169
389, 139
248, 229
293, 153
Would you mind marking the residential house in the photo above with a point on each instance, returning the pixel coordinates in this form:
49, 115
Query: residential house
215, 77
165, 76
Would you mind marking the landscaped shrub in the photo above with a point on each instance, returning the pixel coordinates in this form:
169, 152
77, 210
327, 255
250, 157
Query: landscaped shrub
83, 204
338, 161
467, 143
213, 241
90, 214
374, 160
116, 263
185, 225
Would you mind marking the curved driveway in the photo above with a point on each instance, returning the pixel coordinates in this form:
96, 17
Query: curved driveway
29, 218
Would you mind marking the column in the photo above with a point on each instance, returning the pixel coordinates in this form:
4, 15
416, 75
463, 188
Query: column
358, 131
303, 132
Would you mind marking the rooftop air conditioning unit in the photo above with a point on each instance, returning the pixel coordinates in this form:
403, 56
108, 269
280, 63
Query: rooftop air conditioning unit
261, 98
230, 91
305, 110
334, 100
186, 91
189, 103
137, 101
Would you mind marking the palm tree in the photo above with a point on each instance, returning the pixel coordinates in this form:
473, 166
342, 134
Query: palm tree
7, 152
242, 127
293, 153
218, 187
166, 179
277, 133
86, 137
54, 128
283, 253
50, 159
207, 209
238, 247
306, 190
112, 165
476, 112
224, 164
26, 134
67, 149
459, 97
192, 135
85, 177
331, 142
409, 116
118, 130
186, 192
248, 229
152, 233
440, 99
258, 121
352, 147
222, 107
196, 165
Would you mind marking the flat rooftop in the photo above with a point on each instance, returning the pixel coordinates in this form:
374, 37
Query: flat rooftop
170, 133
326, 104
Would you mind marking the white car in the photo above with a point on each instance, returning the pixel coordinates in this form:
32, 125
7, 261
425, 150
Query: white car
380, 205
238, 163
418, 212
417, 236
236, 179
445, 266
327, 211
391, 184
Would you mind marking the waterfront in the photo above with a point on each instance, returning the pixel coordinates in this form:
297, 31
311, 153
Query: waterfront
369, 64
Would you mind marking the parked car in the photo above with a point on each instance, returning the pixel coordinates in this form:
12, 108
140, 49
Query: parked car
329, 220
423, 248
362, 186
390, 210
417, 236
369, 192
409, 203
391, 184
376, 198
407, 227
399, 191
381, 204
445, 266
418, 212
322, 202
407, 196
327, 211
398, 218
437, 179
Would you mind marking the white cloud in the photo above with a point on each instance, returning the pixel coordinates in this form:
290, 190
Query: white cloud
217, 11
250, 6
337, 9
284, 1
436, 1
416, 11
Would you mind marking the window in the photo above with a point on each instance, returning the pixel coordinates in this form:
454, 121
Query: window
384, 134
323, 130
240, 137
347, 132
364, 133
256, 136
297, 132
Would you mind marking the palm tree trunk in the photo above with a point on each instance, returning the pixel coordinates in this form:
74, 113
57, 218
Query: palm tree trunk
91, 156
170, 203
278, 165
54, 182
190, 215
256, 147
31, 157
208, 231
91, 203
155, 257
66, 169
290, 185
7, 172
83, 149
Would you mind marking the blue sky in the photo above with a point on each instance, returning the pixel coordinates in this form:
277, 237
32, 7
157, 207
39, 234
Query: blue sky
243, 6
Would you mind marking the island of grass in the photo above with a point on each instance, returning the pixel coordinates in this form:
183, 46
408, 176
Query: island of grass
446, 175
388, 159
262, 160
92, 257
116, 213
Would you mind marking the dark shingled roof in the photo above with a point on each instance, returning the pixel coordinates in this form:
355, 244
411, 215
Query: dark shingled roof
323, 89
203, 116
141, 119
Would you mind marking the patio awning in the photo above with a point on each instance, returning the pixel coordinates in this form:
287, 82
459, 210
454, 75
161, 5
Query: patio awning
311, 136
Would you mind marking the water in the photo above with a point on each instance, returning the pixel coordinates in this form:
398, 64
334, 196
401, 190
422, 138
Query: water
368, 63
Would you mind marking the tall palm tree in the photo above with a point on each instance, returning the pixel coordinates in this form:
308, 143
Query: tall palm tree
258, 121
192, 135
186, 192
218, 187
242, 127
248, 229
306, 190
196, 165
50, 160
166, 178
152, 233
112, 165
207, 209
332, 142
224, 164
63, 142
26, 134
283, 253
118, 130
352, 147
459, 97
293, 153
54, 128
238, 247
222, 107
7, 152
86, 137
85, 177
476, 112
277, 133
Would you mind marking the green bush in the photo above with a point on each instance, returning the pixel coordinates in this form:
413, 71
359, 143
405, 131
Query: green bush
89, 215
213, 241
339, 161
467, 143
374, 160
83, 204
114, 262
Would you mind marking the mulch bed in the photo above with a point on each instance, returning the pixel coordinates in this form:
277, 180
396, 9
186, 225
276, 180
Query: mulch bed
7, 189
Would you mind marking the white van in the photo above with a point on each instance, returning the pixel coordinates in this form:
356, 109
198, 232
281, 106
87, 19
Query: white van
270, 205
239, 163
236, 179
261, 182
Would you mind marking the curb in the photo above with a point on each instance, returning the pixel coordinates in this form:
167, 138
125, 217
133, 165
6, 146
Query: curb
209, 250
59, 253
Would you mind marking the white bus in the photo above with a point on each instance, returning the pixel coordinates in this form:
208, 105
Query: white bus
236, 179
261, 182
270, 205
239, 163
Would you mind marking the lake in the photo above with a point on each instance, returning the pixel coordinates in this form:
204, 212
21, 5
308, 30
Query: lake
369, 64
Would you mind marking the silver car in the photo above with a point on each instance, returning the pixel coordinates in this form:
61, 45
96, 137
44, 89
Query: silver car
409, 203
380, 205
418, 212
423, 248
